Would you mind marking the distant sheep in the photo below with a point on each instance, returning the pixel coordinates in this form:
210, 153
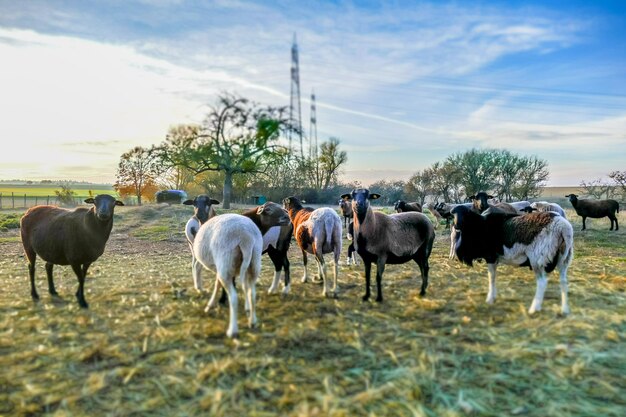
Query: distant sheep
67, 237
546, 206
543, 241
596, 209
317, 232
351, 250
389, 239
346, 212
402, 206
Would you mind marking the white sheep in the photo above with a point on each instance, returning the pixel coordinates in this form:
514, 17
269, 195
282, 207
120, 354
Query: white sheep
546, 206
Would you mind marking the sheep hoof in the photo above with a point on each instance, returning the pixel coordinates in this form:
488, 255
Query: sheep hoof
272, 290
565, 311
35, 296
379, 299
286, 289
232, 334
366, 297
490, 300
54, 293
305, 279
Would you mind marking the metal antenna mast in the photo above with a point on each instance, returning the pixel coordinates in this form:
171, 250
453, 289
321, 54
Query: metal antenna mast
313, 129
295, 119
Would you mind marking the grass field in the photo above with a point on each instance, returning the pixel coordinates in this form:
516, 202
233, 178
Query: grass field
145, 346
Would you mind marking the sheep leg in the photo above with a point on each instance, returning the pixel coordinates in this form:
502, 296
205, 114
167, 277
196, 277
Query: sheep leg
584, 225
368, 274
542, 283
31, 274
196, 272
213, 299
80, 292
273, 254
233, 330
51, 288
564, 287
251, 298
423, 264
305, 261
380, 268
491, 295
287, 276
321, 268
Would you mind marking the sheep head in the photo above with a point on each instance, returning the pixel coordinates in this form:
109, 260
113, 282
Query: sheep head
201, 206
272, 214
360, 198
104, 206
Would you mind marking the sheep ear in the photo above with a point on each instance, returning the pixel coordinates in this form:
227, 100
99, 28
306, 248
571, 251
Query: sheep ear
346, 197
214, 201
260, 210
489, 196
90, 200
188, 202
472, 197
118, 203
374, 196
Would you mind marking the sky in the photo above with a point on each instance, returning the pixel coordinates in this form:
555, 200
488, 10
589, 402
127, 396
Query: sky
402, 84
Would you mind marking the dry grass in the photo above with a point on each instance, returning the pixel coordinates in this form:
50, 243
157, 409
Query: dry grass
145, 346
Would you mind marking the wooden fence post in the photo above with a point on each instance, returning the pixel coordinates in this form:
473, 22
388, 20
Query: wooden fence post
24, 200
47, 200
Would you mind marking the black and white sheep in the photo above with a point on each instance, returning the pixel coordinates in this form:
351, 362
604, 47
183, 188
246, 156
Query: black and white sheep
596, 209
202, 211
317, 232
389, 239
544, 241
402, 206
276, 240
233, 244
67, 237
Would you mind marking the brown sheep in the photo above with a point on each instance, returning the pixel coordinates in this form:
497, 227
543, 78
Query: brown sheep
596, 209
67, 237
389, 239
317, 232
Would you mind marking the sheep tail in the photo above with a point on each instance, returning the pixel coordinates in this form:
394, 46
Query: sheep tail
328, 226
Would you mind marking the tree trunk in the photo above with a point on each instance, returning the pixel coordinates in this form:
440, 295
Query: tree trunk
228, 189
139, 199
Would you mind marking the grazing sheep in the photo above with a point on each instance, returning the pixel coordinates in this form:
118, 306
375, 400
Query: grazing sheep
543, 241
67, 237
402, 206
317, 232
202, 211
346, 211
546, 206
233, 244
438, 218
389, 239
276, 239
596, 209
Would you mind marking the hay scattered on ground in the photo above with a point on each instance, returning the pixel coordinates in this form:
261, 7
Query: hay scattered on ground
145, 346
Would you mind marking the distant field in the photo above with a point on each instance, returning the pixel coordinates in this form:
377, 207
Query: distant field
559, 192
36, 190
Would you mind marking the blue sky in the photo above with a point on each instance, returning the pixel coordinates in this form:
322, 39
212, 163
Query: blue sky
401, 84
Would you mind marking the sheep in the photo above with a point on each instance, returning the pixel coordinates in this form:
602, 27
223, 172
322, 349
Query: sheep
67, 237
276, 240
202, 211
351, 256
596, 209
546, 206
544, 241
233, 244
346, 212
482, 201
402, 206
317, 232
389, 239
438, 218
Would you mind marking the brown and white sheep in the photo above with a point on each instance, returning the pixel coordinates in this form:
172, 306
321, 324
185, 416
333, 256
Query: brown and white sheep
596, 209
67, 237
389, 239
317, 232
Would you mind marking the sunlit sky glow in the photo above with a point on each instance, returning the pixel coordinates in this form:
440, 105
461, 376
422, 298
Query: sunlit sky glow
401, 84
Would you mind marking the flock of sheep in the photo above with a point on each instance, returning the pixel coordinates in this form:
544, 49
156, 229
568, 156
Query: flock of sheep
536, 235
